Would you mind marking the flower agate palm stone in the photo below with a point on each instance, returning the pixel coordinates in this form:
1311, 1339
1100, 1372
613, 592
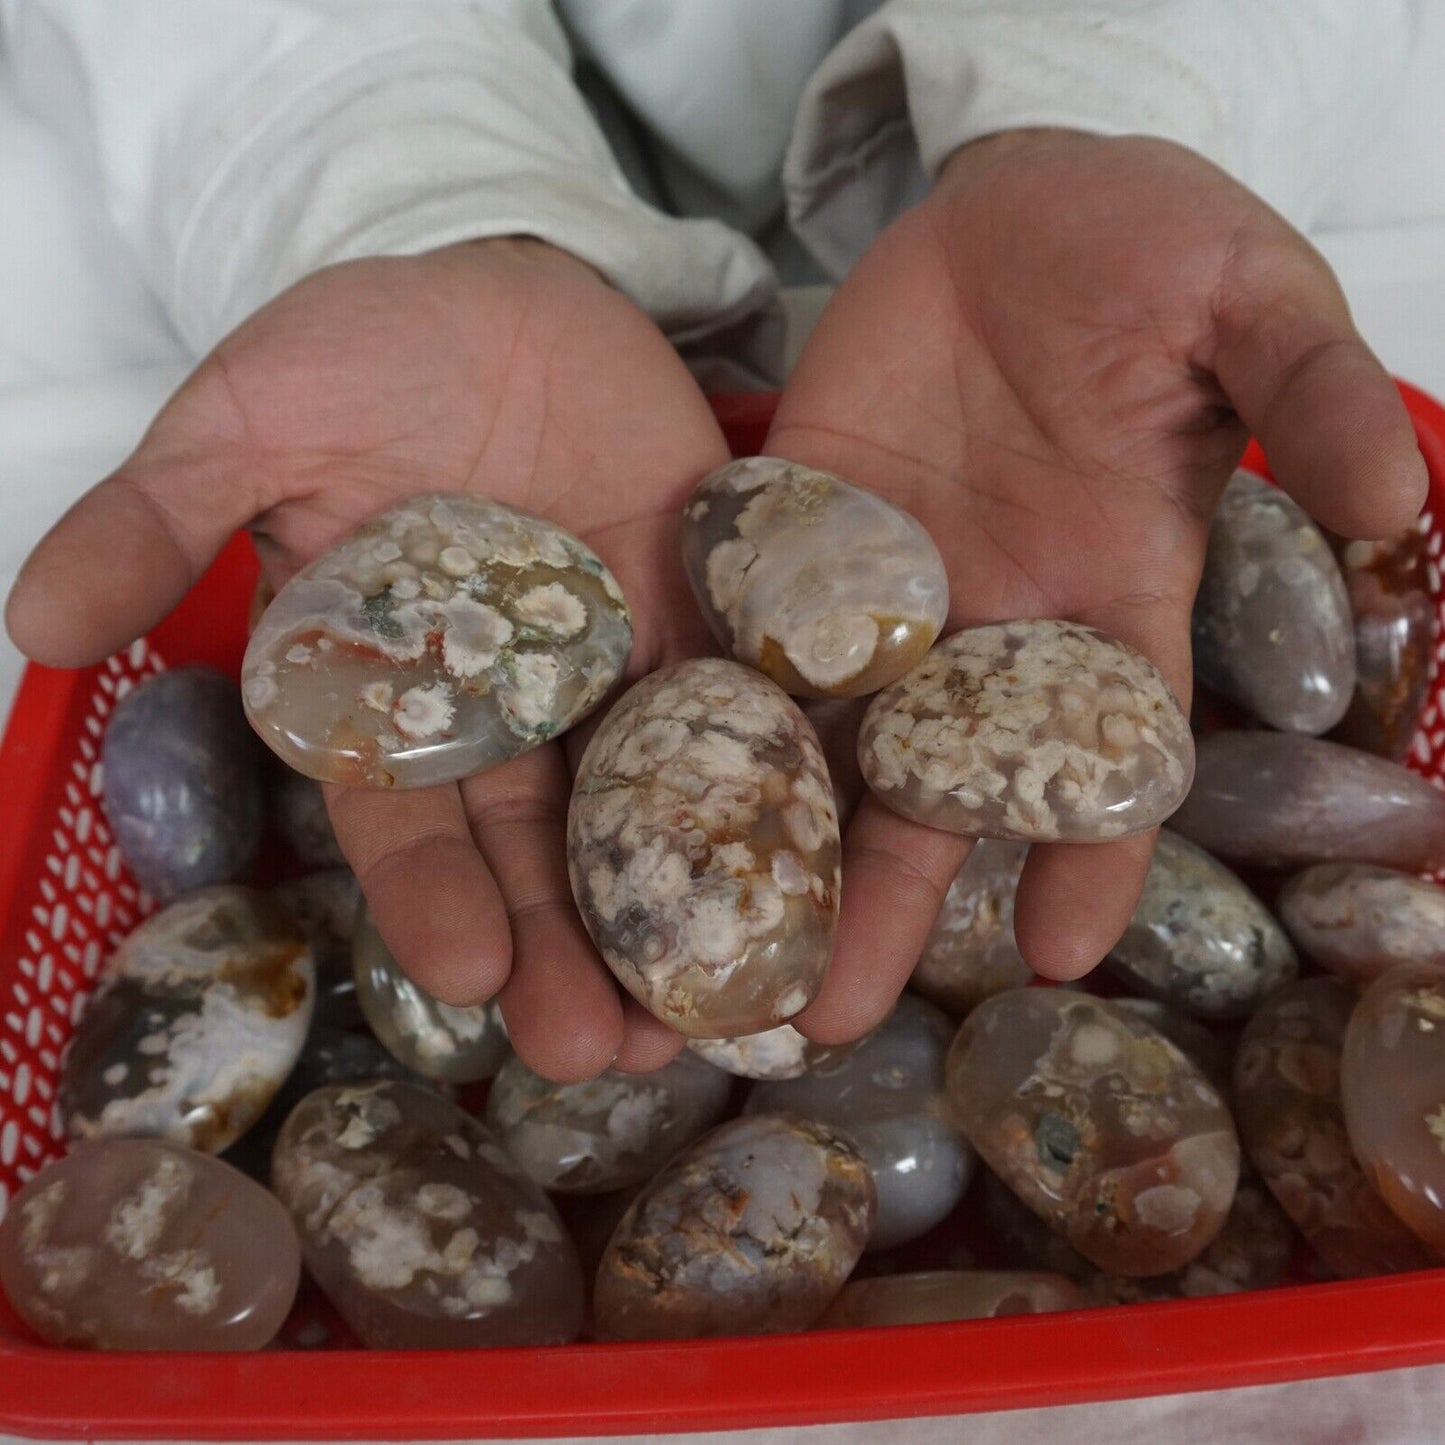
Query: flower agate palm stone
1035, 730
439, 639
1099, 1123
780, 1053
1288, 1106
1272, 625
703, 847
437, 1040
933, 1296
419, 1228
134, 1244
1283, 801
1210, 1052
298, 809
751, 1230
201, 1015
887, 1093
1199, 939
605, 1133
826, 588
326, 905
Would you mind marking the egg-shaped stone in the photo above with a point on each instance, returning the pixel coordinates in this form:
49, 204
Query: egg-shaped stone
751, 1230
826, 588
1199, 939
1272, 625
439, 639
326, 905
198, 1019
440, 1040
298, 809
1099, 1123
1291, 1121
703, 847
1211, 1051
182, 786
887, 1094
1034, 730
933, 1296
418, 1226
605, 1133
135, 1244
1283, 801
780, 1053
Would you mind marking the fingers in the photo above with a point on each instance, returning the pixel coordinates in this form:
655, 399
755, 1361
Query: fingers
647, 1042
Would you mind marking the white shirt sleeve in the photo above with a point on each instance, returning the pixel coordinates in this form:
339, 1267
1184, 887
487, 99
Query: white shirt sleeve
242, 144
1280, 93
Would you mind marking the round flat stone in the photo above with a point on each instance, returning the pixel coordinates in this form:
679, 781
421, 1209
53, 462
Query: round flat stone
326, 905
298, 809
780, 1053
933, 1296
1211, 1052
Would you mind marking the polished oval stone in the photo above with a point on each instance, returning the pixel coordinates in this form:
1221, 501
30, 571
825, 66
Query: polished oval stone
437, 640
971, 953
887, 1093
932, 1296
1199, 939
326, 905
1357, 920
298, 809
199, 1017
826, 588
1272, 625
1392, 1082
703, 847
134, 1244
1204, 1047
439, 1040
1103, 1127
1283, 801
605, 1133
1032, 730
1291, 1121
780, 1053
182, 782
751, 1230
1395, 625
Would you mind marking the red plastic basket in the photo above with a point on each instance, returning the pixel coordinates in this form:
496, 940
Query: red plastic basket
66, 900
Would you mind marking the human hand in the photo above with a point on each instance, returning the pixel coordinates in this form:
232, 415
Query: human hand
1053, 363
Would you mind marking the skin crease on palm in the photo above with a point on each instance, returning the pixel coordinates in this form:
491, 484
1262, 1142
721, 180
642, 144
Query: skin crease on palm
1052, 362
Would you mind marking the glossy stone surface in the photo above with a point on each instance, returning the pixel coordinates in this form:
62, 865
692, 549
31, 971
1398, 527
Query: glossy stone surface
1203, 1046
1199, 939
197, 1021
1392, 1081
298, 809
1272, 625
133, 1244
1100, 1124
887, 1094
439, 1040
780, 1053
1357, 920
752, 1230
419, 1228
936, 1295
971, 953
1291, 1121
182, 782
326, 905
1033, 730
437, 640
825, 588
606, 1133
1389, 587
703, 847
1284, 801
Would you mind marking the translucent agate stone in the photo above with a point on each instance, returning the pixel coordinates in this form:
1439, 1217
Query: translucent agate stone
419, 1228
1199, 939
751, 1230
182, 782
326, 904
971, 953
933, 1296
1392, 1081
298, 809
1357, 920
826, 588
436, 1039
605, 1133
1203, 1047
200, 1016
1272, 625
1291, 1120
1034, 730
887, 1093
780, 1053
1282, 801
1389, 587
134, 1244
437, 640
703, 847
1099, 1123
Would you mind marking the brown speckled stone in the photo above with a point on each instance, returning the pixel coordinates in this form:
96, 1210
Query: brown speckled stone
937, 1295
